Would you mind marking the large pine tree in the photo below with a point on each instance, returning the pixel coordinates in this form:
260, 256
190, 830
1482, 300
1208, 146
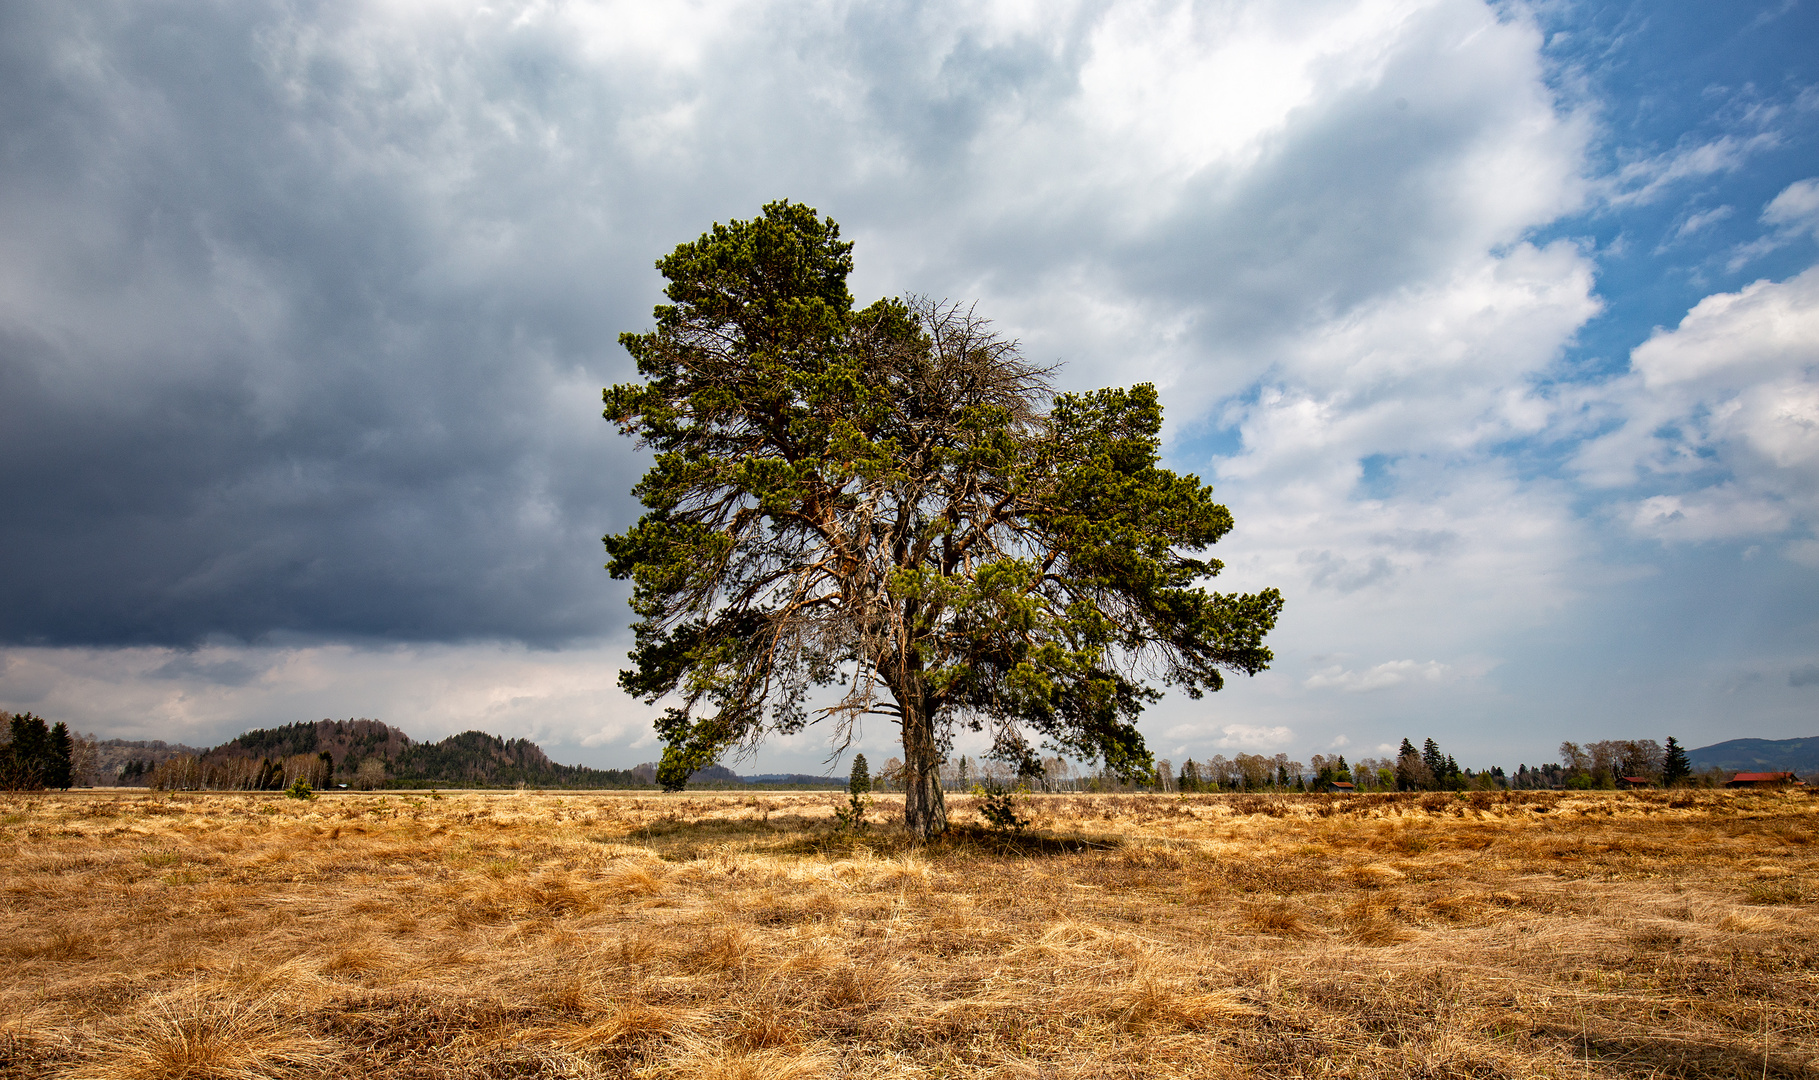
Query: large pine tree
889, 501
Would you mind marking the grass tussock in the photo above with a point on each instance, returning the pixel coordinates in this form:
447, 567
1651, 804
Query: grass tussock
723, 936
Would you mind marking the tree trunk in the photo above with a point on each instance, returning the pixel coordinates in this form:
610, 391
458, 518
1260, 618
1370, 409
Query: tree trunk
924, 807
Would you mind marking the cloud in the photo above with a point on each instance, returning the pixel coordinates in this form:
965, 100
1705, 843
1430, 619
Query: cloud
1649, 179
305, 312
1380, 677
1796, 209
1792, 215
1725, 406
1804, 676
1701, 220
567, 699
1251, 737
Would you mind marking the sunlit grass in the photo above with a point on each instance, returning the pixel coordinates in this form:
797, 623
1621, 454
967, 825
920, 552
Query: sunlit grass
741, 936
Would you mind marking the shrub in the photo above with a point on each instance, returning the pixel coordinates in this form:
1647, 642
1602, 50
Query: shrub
998, 806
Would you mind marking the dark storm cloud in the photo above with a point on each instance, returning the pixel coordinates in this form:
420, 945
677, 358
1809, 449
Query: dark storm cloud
304, 308
253, 378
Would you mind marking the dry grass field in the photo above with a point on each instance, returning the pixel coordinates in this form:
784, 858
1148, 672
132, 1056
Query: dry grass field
738, 936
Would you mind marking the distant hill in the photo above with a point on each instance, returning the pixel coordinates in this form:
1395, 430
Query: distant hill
1759, 755
363, 751
348, 742
476, 759
470, 759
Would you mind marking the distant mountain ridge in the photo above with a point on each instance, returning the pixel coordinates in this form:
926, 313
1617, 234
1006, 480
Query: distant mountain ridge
1759, 755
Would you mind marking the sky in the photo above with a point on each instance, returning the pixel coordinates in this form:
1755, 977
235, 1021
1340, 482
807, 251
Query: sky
1495, 325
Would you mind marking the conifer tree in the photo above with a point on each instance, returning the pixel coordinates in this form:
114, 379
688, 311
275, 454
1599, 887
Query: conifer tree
25, 761
58, 757
1675, 765
892, 501
1433, 759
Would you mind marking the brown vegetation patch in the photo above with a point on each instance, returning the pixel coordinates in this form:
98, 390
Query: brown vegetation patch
1559, 935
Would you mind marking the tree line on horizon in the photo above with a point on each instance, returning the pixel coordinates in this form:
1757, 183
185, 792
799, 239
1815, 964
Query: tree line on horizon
368, 754
1602, 765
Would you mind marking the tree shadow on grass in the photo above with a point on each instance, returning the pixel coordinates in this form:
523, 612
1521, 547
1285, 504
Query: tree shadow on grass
964, 841
1682, 1058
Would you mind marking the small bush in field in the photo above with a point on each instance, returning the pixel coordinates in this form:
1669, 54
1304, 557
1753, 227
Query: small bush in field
851, 817
299, 790
998, 806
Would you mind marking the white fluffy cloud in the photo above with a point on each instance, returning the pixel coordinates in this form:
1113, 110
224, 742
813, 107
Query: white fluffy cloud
1253, 737
1725, 409
1379, 677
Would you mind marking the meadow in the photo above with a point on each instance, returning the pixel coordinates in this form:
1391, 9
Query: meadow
1534, 934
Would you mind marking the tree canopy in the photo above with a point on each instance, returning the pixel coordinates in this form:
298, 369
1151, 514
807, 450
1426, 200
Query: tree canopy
887, 511
35, 755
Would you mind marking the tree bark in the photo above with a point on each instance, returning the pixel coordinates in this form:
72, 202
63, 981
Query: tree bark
924, 806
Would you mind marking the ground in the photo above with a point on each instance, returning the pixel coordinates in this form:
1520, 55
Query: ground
741, 936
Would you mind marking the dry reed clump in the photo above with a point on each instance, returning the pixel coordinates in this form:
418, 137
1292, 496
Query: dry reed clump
189, 1036
477, 934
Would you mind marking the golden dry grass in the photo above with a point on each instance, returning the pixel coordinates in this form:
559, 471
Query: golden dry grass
738, 937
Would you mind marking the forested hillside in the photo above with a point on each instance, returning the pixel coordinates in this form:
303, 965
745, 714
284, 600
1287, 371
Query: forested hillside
366, 753
476, 759
1759, 755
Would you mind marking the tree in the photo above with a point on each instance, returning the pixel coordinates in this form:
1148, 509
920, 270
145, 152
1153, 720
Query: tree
58, 764
370, 774
27, 762
1675, 765
1434, 760
1412, 772
890, 501
1574, 759
84, 750
858, 797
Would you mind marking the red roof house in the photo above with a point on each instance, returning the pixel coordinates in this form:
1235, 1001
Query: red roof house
1763, 779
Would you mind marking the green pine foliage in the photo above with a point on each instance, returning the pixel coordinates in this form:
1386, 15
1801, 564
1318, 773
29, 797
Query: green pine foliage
36, 755
890, 501
1676, 767
57, 767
